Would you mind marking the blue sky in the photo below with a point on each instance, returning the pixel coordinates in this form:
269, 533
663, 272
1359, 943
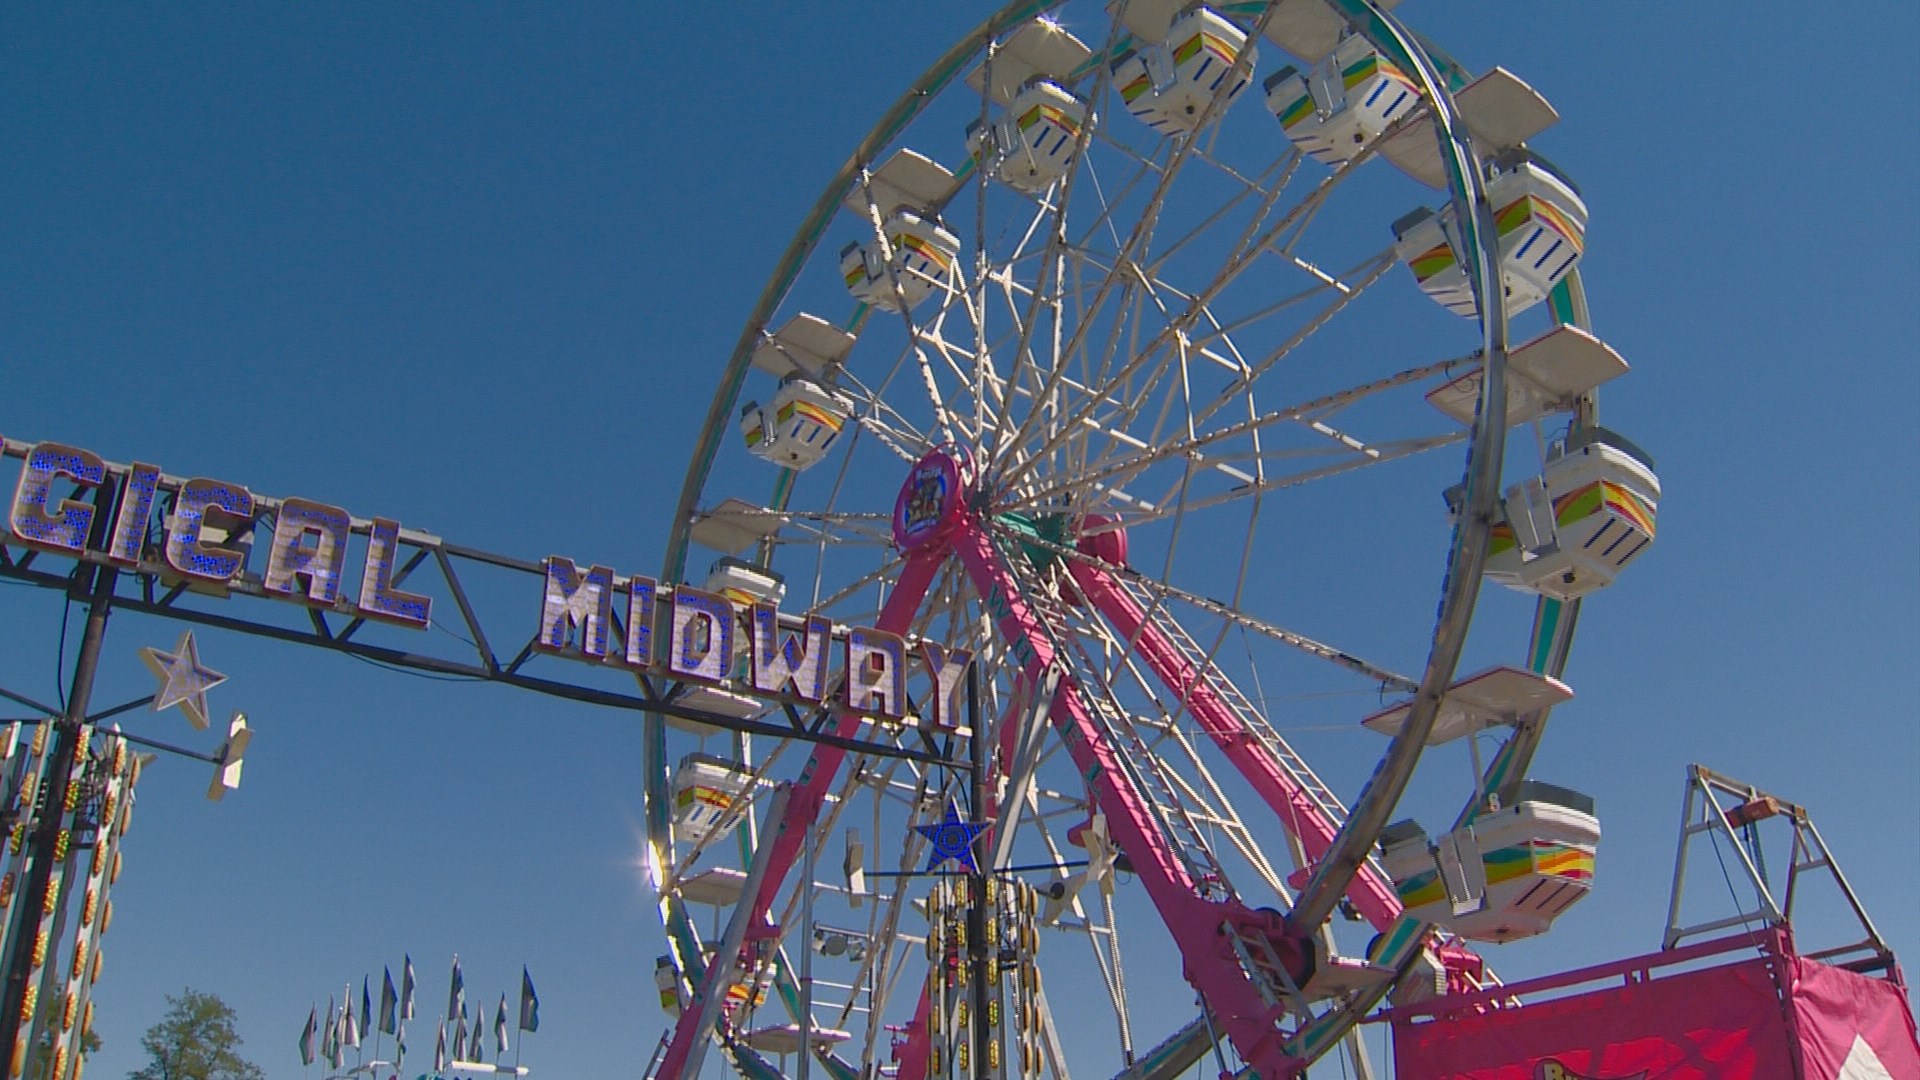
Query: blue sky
477, 266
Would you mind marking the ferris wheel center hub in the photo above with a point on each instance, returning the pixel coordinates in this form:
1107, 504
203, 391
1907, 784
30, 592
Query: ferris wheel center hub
933, 500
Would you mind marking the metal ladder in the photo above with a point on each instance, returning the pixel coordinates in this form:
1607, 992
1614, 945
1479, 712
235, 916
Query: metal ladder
1269, 739
659, 1052
1147, 776
1149, 780
1251, 717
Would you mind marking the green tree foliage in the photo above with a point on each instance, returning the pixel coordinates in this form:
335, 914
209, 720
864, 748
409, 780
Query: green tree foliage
43, 1053
195, 1041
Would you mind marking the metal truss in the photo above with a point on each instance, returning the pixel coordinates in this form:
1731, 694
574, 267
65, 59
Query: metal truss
490, 593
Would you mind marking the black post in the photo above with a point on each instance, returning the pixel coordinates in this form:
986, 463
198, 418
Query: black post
982, 957
31, 900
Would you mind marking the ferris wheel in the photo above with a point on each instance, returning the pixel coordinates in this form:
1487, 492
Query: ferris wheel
1167, 362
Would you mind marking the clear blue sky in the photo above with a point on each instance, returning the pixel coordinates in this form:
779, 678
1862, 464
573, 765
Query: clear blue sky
477, 266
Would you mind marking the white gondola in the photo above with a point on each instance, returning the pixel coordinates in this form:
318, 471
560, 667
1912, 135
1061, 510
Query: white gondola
740, 991
666, 978
1170, 84
799, 427
707, 792
1333, 111
924, 254
1508, 875
1542, 226
1034, 143
745, 583
1575, 527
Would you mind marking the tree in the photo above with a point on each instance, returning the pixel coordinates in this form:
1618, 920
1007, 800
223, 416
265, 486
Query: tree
195, 1041
43, 1053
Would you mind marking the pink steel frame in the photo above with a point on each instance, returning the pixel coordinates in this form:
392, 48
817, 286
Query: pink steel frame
1195, 920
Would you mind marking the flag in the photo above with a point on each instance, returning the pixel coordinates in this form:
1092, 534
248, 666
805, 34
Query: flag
306, 1038
529, 1003
349, 1025
478, 1051
500, 1027
388, 999
399, 1047
330, 1033
406, 990
440, 1050
335, 1055
460, 1036
457, 993
366, 1007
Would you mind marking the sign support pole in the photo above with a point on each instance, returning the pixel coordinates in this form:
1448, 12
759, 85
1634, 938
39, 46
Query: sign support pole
982, 958
68, 732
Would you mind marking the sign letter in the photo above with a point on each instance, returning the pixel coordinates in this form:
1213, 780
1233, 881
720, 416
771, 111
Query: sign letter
573, 600
129, 539
196, 500
701, 644
779, 658
30, 520
379, 599
877, 673
291, 559
946, 669
641, 592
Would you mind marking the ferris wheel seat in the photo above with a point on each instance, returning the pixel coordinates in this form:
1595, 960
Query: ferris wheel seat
745, 583
716, 700
800, 426
735, 525
924, 253
783, 1039
1034, 144
706, 790
1501, 111
1498, 695
1040, 48
666, 978
1542, 225
1572, 530
1339, 976
1506, 876
908, 180
1545, 375
806, 345
718, 887
1169, 85
1344, 103
1310, 29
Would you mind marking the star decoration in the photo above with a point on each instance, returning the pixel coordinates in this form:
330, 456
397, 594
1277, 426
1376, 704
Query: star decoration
952, 838
183, 681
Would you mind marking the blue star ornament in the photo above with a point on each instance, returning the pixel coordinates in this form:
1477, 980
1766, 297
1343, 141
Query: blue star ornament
183, 681
952, 838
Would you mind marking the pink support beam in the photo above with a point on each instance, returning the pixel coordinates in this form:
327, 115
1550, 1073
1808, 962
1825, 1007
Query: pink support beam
803, 807
1300, 813
1197, 922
